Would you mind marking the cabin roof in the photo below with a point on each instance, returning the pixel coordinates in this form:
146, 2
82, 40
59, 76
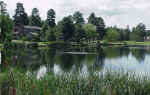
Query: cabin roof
147, 30
33, 27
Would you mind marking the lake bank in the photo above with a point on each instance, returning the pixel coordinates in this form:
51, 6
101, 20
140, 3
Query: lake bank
129, 43
45, 44
92, 44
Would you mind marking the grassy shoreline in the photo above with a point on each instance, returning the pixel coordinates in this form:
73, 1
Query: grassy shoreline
110, 83
129, 43
94, 43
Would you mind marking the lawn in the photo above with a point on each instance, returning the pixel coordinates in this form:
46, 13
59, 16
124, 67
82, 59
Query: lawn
126, 43
43, 44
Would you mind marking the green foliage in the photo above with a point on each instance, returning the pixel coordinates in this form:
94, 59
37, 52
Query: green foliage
43, 32
78, 18
90, 31
134, 36
35, 19
138, 33
92, 19
68, 28
6, 26
139, 54
79, 34
127, 30
73, 28
20, 16
3, 10
123, 34
50, 34
112, 35
100, 27
110, 83
51, 15
58, 33
99, 23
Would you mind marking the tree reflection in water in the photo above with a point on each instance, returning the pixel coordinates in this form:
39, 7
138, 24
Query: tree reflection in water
139, 54
53, 59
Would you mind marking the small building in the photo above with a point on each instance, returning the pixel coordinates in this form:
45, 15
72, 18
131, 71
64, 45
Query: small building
147, 38
31, 33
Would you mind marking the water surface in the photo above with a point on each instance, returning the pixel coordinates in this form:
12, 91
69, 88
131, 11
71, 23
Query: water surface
41, 61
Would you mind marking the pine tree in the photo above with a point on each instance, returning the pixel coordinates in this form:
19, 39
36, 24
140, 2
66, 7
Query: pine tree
35, 19
20, 16
51, 18
3, 10
100, 27
78, 18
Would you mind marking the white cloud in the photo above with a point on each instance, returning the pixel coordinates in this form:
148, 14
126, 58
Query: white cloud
114, 12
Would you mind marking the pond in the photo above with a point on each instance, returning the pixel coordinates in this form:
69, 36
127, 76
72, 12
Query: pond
54, 60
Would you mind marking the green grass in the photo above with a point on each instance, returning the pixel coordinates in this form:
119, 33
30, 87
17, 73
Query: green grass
74, 44
49, 43
137, 43
126, 43
38, 43
110, 83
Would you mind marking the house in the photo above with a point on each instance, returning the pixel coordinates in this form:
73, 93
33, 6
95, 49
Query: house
147, 38
31, 33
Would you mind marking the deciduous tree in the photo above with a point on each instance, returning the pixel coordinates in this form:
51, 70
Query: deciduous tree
112, 35
90, 31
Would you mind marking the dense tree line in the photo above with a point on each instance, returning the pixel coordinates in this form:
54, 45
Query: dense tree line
137, 33
72, 28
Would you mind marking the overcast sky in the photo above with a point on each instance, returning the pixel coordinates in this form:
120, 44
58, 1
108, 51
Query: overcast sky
114, 12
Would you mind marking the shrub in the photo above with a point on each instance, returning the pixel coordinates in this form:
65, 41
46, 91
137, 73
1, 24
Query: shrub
111, 35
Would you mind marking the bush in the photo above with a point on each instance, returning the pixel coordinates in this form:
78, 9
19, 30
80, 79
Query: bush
90, 31
111, 35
